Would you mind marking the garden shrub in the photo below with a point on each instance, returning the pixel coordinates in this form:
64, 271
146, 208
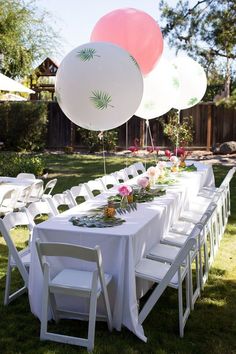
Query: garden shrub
13, 163
93, 142
23, 125
178, 132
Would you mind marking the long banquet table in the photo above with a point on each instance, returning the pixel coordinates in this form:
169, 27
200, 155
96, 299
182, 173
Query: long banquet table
122, 246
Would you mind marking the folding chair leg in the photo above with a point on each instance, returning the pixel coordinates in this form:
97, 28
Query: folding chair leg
92, 320
8, 283
181, 317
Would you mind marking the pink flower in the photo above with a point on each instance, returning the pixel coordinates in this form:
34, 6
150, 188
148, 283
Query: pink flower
168, 153
124, 190
151, 171
161, 165
143, 182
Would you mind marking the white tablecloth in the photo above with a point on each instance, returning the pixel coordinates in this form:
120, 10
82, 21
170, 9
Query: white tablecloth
122, 246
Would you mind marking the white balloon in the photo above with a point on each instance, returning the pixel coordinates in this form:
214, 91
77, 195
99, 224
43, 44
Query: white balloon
99, 86
192, 82
160, 86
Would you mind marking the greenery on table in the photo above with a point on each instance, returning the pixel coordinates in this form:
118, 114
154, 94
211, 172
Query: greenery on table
148, 196
211, 327
188, 168
97, 220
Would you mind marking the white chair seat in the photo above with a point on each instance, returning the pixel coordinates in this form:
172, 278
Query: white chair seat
77, 279
175, 239
155, 271
163, 252
182, 227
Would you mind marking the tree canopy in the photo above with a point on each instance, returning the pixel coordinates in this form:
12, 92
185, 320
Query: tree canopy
25, 36
205, 29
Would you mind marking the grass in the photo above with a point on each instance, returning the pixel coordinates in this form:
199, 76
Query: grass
211, 328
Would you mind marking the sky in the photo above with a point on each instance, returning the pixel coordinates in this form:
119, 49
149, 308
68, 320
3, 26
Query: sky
74, 20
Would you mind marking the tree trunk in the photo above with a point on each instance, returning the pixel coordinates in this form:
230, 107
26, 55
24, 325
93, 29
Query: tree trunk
227, 78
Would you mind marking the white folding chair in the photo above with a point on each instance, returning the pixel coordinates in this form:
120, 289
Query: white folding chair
36, 192
26, 176
50, 185
59, 200
166, 275
72, 282
121, 176
22, 197
139, 167
7, 201
38, 208
168, 248
94, 186
77, 192
16, 259
131, 171
109, 181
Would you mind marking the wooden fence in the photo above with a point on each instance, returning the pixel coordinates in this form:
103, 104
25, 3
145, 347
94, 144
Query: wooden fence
212, 125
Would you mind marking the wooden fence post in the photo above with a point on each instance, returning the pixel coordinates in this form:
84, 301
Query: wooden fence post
209, 126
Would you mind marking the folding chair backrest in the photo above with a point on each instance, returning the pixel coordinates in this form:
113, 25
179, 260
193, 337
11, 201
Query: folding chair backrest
37, 189
131, 171
139, 167
208, 213
50, 186
228, 177
57, 200
26, 176
7, 198
121, 176
10, 221
109, 181
79, 191
94, 186
38, 208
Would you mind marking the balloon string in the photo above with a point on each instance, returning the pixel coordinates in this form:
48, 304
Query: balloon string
101, 137
151, 138
126, 142
177, 136
146, 139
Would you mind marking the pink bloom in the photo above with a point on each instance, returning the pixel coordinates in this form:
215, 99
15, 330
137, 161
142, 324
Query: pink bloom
143, 182
161, 165
168, 153
124, 190
151, 171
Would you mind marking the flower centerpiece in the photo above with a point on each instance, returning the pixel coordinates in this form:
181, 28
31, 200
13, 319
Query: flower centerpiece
152, 172
175, 163
125, 192
143, 182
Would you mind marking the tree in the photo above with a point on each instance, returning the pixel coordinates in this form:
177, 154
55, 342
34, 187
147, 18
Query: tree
206, 30
25, 36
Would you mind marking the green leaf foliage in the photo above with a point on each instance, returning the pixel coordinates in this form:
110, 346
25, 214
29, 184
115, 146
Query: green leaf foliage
178, 132
25, 36
206, 30
101, 99
13, 163
93, 143
87, 54
23, 125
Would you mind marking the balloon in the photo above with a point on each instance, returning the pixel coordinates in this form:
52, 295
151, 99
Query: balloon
159, 88
98, 86
133, 30
192, 82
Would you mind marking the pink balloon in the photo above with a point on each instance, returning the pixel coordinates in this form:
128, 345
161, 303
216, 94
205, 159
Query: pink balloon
133, 30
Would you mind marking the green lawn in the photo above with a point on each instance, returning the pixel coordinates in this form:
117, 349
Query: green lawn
211, 327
